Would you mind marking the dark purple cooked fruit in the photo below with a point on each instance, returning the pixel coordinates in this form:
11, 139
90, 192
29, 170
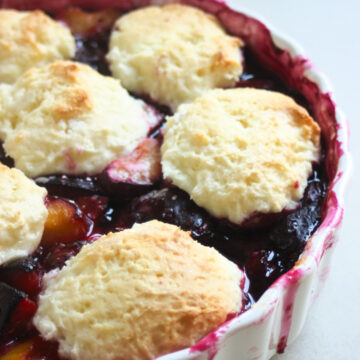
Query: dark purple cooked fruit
171, 205
133, 174
23, 274
263, 268
4, 159
59, 253
259, 221
293, 230
248, 80
63, 182
92, 51
25, 265
93, 206
9, 300
20, 318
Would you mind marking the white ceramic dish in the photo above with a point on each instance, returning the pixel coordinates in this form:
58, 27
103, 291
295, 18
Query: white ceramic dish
277, 318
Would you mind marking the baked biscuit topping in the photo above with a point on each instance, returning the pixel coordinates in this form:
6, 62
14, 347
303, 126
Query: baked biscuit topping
22, 214
30, 39
173, 53
140, 293
241, 152
67, 118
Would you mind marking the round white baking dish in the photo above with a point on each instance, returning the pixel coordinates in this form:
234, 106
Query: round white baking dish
277, 318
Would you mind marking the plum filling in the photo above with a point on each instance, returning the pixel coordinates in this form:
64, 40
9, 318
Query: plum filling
81, 209
134, 174
91, 50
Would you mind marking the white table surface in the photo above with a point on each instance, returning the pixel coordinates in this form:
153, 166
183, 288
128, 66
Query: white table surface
329, 31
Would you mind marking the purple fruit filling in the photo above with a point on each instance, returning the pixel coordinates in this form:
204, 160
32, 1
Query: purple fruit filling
264, 253
92, 49
9, 299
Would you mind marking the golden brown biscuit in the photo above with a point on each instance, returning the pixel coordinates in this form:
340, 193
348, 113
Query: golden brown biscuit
173, 53
240, 152
67, 118
140, 293
22, 214
30, 39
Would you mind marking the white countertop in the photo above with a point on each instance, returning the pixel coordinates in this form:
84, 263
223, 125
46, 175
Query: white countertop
329, 32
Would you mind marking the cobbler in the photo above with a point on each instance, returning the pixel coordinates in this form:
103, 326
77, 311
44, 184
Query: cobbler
145, 182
